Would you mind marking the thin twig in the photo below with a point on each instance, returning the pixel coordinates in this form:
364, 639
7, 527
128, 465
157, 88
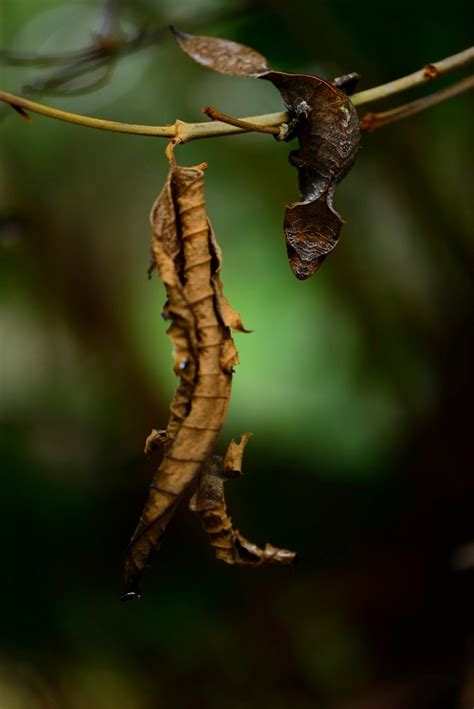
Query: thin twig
64, 81
224, 118
141, 37
15, 58
183, 132
86, 121
424, 75
372, 121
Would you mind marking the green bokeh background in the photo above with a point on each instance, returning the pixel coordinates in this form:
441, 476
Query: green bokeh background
356, 384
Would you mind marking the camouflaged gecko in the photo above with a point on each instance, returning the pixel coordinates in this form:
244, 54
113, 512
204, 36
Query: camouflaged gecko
326, 124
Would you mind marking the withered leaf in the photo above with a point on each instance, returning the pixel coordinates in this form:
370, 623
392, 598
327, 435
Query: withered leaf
230, 317
327, 126
221, 54
188, 262
208, 502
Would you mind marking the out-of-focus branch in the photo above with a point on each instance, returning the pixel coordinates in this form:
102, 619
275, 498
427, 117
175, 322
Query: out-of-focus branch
110, 21
109, 26
110, 43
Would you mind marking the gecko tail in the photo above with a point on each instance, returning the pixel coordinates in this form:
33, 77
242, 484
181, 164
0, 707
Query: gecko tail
312, 231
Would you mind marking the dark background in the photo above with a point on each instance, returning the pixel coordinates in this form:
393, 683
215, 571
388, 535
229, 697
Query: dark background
357, 384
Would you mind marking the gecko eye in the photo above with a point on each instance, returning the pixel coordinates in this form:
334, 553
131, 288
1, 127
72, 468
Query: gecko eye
183, 364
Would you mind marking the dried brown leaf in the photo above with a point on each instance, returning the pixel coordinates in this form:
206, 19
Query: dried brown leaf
230, 317
188, 261
222, 55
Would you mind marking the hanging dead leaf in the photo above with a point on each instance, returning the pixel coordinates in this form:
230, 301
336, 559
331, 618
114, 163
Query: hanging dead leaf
327, 126
188, 262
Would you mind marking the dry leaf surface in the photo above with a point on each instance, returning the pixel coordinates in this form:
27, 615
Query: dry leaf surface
188, 261
222, 55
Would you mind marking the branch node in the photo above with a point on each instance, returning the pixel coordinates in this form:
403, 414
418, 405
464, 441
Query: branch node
431, 72
283, 132
368, 122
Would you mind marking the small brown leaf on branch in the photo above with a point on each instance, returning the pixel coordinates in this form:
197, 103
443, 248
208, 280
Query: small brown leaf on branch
221, 54
208, 502
327, 126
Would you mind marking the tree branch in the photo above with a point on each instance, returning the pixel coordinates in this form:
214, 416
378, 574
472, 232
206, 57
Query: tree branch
372, 121
430, 72
182, 132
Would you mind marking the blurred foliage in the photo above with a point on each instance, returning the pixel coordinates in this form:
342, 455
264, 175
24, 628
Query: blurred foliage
357, 384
